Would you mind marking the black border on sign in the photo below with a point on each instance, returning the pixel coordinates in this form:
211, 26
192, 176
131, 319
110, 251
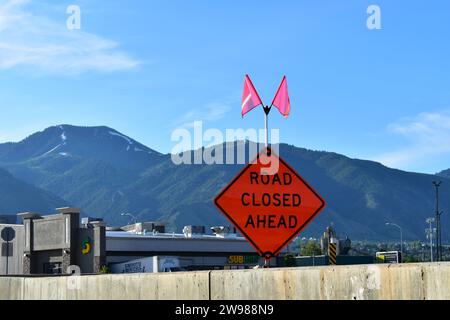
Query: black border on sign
242, 231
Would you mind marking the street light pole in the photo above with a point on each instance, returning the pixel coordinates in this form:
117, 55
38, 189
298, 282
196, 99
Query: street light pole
401, 238
430, 236
129, 214
423, 252
438, 223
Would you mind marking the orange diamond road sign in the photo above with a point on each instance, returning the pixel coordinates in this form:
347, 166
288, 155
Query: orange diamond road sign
269, 203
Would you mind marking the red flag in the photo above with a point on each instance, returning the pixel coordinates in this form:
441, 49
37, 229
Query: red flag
281, 99
250, 98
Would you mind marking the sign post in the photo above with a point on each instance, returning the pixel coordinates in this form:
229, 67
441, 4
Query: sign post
268, 202
8, 234
266, 124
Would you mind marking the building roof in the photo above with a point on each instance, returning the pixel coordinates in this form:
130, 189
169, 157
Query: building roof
170, 243
151, 235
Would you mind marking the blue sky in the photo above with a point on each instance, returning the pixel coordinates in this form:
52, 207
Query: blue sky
148, 67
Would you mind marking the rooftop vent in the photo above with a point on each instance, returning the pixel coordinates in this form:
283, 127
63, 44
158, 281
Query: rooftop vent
145, 227
89, 220
224, 231
114, 229
190, 231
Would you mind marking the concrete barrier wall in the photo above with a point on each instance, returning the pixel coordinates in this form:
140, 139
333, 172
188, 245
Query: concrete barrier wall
175, 286
406, 281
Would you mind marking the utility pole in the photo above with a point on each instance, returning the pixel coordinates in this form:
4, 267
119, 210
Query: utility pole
438, 223
429, 232
401, 238
423, 252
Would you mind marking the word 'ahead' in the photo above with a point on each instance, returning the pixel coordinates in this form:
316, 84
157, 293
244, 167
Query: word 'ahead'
269, 208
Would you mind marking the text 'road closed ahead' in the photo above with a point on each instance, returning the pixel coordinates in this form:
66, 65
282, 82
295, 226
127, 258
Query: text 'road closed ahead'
268, 199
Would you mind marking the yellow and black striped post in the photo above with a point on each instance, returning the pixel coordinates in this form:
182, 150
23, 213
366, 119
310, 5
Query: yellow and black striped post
332, 253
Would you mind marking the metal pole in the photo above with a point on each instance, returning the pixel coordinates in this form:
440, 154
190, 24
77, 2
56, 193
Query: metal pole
130, 215
431, 246
430, 236
431, 241
7, 254
440, 238
438, 225
266, 123
401, 245
438, 222
401, 238
267, 128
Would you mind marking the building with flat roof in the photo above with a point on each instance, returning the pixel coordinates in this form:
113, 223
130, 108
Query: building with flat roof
60, 243
194, 252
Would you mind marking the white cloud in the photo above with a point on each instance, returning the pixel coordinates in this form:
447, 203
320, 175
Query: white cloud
427, 134
211, 112
28, 40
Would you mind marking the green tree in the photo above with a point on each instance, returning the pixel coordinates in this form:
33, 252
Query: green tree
410, 259
310, 248
416, 245
104, 269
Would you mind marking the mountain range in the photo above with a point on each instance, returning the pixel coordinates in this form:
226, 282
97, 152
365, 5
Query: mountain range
35, 198
106, 173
